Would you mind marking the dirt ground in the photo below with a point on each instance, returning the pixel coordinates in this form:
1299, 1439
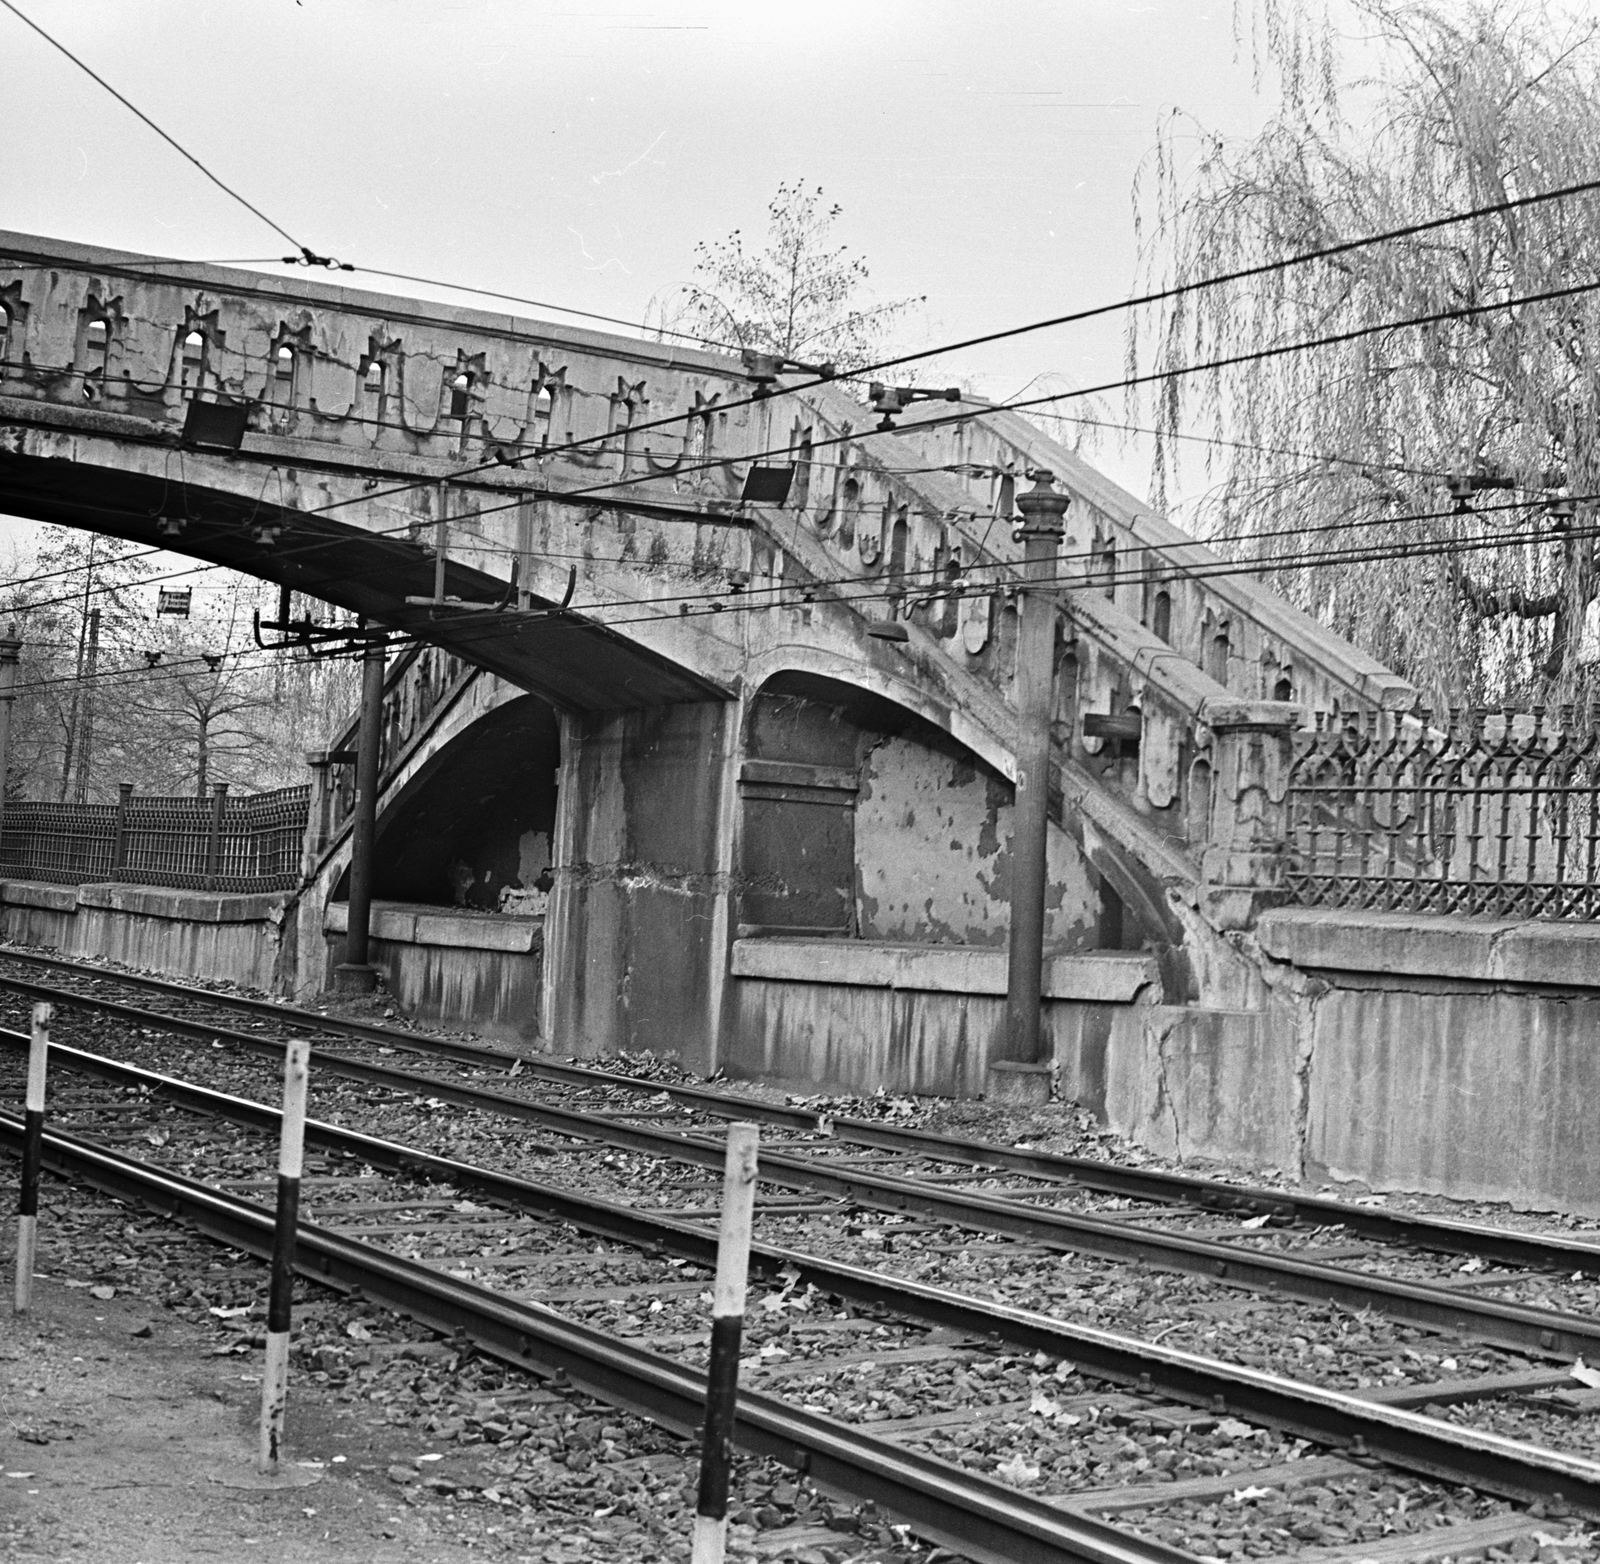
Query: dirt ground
129, 1399
125, 1439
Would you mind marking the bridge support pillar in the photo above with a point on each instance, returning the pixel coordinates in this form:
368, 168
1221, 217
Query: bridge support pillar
1043, 513
356, 974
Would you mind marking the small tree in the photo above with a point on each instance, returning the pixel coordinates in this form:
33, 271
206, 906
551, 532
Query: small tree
203, 711
797, 297
56, 584
1352, 444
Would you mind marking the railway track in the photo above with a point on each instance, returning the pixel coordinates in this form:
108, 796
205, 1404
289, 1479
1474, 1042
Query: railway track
1167, 1397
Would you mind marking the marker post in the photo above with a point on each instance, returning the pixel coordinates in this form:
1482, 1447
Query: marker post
727, 1330
32, 1157
291, 1146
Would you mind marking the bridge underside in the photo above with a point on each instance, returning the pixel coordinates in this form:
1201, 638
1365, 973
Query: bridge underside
534, 643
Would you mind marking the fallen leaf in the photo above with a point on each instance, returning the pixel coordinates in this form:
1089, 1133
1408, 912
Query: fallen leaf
158, 1137
1232, 1428
1017, 1471
1043, 1404
1242, 1495
1473, 1266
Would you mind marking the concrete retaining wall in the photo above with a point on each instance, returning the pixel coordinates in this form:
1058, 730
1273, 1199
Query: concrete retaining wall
1445, 1055
199, 934
479, 970
855, 1015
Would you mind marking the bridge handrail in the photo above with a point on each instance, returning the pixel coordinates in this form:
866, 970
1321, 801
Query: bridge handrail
1495, 815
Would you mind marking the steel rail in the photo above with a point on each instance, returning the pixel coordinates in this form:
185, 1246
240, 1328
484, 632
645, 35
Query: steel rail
1542, 1332
940, 1501
1501, 1246
1418, 1443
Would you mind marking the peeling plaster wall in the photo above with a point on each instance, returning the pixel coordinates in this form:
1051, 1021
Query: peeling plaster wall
933, 860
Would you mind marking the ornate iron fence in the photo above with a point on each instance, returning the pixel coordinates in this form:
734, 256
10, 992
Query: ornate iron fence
1496, 816
218, 844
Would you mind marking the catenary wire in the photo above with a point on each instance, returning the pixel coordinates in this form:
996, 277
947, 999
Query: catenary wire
139, 113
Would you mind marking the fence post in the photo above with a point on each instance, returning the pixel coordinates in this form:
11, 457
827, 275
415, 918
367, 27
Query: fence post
1252, 750
727, 1331
32, 1157
219, 804
119, 839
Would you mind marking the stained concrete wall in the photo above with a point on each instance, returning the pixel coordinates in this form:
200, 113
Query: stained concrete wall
1448, 1055
1186, 1081
246, 939
483, 971
857, 1015
637, 927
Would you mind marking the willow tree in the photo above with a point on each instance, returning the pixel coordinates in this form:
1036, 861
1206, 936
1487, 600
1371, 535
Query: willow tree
1338, 449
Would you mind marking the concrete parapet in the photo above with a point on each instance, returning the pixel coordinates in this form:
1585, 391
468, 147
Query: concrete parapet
149, 901
441, 926
1112, 976
1486, 950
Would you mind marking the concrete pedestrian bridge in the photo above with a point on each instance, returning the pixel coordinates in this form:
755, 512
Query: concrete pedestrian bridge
671, 769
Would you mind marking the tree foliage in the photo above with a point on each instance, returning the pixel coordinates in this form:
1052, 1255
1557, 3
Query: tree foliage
176, 704
798, 295
1352, 444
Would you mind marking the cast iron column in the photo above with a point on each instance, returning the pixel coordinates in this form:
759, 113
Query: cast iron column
357, 975
1043, 513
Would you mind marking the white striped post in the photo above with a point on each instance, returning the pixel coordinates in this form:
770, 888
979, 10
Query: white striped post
291, 1147
32, 1156
727, 1331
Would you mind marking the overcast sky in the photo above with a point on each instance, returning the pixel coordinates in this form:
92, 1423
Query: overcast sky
984, 154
